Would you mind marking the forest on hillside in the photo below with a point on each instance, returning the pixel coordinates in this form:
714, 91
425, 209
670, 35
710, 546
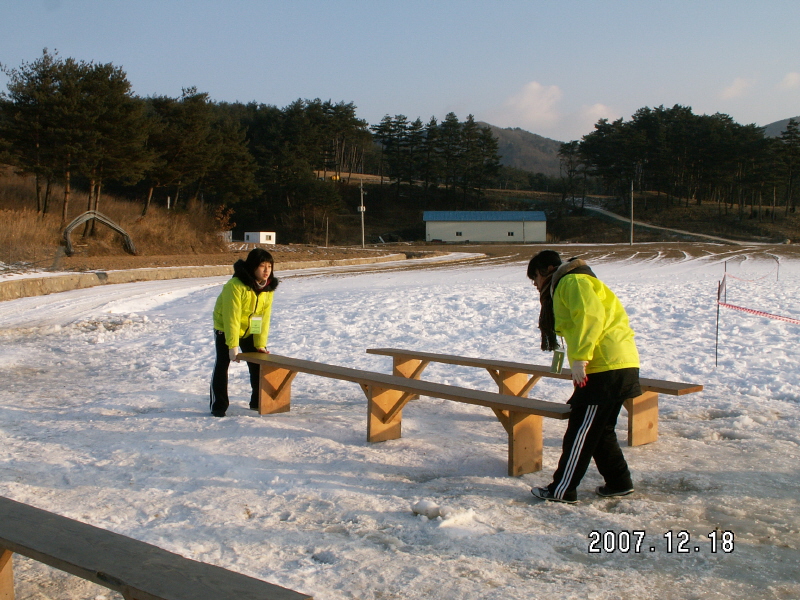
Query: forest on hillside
77, 127
78, 124
686, 158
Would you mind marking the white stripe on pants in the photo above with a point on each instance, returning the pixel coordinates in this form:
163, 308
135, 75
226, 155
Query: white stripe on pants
575, 452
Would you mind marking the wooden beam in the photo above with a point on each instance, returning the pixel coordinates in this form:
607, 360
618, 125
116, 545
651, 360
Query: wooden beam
642, 419
6, 575
274, 390
135, 569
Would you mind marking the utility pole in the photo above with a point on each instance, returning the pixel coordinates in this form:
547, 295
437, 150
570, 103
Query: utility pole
631, 212
361, 209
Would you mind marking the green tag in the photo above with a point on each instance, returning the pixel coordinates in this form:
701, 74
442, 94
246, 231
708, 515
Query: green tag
255, 325
558, 361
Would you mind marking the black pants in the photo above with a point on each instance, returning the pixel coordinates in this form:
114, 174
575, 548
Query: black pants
590, 432
219, 379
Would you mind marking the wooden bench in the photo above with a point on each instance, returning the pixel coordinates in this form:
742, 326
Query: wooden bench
388, 394
519, 378
135, 569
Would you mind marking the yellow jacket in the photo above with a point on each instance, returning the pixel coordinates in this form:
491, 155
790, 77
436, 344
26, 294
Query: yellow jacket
594, 324
235, 305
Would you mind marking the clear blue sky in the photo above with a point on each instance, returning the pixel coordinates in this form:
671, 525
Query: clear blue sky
553, 67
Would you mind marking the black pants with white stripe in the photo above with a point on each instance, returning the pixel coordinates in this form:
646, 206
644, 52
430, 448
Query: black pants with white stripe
219, 379
590, 433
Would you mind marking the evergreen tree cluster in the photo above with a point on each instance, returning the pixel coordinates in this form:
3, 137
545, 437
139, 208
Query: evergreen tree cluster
68, 121
78, 124
690, 157
462, 157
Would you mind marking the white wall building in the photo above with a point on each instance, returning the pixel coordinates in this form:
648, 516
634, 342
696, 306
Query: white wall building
260, 237
521, 226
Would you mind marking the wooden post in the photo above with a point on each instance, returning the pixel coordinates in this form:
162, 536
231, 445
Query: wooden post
6, 575
525, 437
513, 384
642, 419
411, 368
525, 441
380, 402
275, 390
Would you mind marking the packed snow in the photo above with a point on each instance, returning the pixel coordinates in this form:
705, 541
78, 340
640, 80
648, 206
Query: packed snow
105, 419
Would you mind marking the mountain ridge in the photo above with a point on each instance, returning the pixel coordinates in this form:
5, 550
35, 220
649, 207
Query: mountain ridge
775, 128
524, 150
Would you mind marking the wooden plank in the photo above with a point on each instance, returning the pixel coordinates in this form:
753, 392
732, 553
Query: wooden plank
135, 569
672, 388
642, 419
6, 575
423, 388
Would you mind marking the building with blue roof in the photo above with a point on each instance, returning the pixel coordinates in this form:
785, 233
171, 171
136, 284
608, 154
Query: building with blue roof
523, 226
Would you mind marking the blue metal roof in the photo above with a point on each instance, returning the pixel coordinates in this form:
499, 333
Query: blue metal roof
483, 215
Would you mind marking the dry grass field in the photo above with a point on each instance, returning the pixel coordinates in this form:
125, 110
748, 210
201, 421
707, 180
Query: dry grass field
189, 238
27, 236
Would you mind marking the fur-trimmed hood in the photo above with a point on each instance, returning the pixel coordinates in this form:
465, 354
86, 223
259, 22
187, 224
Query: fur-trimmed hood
575, 265
241, 272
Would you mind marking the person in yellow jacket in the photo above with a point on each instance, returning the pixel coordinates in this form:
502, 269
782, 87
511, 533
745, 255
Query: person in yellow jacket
241, 323
605, 372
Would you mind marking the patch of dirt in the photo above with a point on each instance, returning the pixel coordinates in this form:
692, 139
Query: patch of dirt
496, 253
282, 254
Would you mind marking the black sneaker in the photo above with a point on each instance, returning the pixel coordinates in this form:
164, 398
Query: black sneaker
218, 413
605, 492
545, 494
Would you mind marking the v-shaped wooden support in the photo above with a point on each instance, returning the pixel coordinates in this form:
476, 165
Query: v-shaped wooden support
275, 391
385, 412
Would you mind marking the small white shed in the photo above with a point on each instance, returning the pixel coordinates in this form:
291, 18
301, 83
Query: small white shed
485, 226
260, 237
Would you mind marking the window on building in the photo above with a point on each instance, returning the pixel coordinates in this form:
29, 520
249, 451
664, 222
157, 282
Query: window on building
510, 234
458, 234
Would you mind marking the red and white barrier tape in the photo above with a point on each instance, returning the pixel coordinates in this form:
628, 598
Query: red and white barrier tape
750, 280
759, 313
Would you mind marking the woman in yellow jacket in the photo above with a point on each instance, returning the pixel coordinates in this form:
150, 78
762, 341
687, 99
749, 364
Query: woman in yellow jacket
605, 371
241, 323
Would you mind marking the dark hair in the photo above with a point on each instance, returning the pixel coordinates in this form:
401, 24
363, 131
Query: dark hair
256, 257
541, 262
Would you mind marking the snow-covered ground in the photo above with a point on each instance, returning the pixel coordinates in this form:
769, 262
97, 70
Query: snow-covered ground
104, 418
